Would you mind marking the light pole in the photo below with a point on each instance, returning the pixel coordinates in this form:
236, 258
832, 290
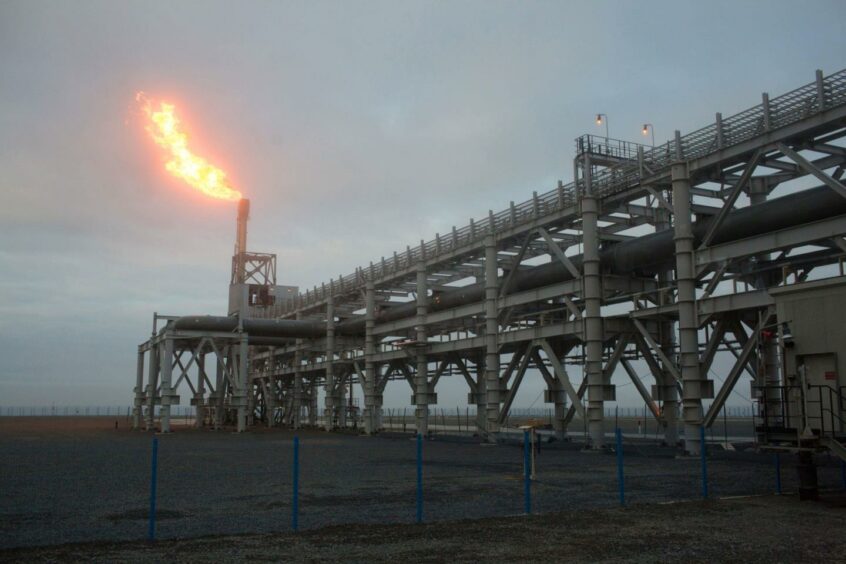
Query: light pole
600, 119
648, 128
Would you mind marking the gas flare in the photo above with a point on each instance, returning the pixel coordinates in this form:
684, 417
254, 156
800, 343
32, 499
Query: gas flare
164, 128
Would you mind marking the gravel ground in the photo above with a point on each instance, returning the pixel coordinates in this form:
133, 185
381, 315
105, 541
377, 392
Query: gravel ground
81, 480
761, 529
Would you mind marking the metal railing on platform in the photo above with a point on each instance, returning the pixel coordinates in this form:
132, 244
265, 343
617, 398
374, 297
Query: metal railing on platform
798, 410
792, 107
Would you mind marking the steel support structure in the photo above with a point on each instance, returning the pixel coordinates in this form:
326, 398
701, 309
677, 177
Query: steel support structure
647, 259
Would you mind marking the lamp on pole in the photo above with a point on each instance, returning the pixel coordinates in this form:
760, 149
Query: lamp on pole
647, 129
600, 119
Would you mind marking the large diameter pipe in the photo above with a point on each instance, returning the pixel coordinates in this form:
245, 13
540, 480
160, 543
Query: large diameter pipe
289, 328
645, 255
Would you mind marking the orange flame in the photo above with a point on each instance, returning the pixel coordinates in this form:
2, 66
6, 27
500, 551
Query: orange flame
164, 128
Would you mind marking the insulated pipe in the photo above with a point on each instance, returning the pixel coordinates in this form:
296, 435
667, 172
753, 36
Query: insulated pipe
254, 327
256, 341
643, 256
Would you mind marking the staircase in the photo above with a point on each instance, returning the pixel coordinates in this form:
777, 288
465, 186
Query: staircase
834, 446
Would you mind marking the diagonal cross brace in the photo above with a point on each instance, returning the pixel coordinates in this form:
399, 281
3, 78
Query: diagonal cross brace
512, 393
809, 167
668, 364
438, 373
517, 260
361, 377
571, 411
713, 345
729, 203
548, 378
515, 359
562, 376
734, 374
661, 200
466, 373
559, 254
641, 388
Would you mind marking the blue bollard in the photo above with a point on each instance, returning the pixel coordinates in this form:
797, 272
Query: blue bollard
843, 473
295, 502
419, 478
620, 478
527, 474
151, 533
704, 457
778, 473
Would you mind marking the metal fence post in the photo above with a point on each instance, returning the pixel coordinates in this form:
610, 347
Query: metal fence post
620, 478
778, 473
419, 478
151, 533
527, 474
295, 502
704, 457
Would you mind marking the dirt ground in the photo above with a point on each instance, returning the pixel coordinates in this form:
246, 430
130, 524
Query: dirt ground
757, 529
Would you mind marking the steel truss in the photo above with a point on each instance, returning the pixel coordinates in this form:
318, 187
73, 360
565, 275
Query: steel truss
710, 296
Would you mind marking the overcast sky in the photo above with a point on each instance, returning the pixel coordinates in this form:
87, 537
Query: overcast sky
356, 128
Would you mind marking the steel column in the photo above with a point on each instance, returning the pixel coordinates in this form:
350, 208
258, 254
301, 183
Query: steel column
243, 384
139, 391
481, 397
269, 389
688, 321
592, 293
297, 396
152, 379
666, 389
166, 391
372, 400
768, 371
219, 389
329, 413
492, 382
199, 397
312, 402
421, 376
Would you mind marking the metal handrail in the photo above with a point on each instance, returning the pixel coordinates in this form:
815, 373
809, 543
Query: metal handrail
618, 148
786, 109
828, 421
